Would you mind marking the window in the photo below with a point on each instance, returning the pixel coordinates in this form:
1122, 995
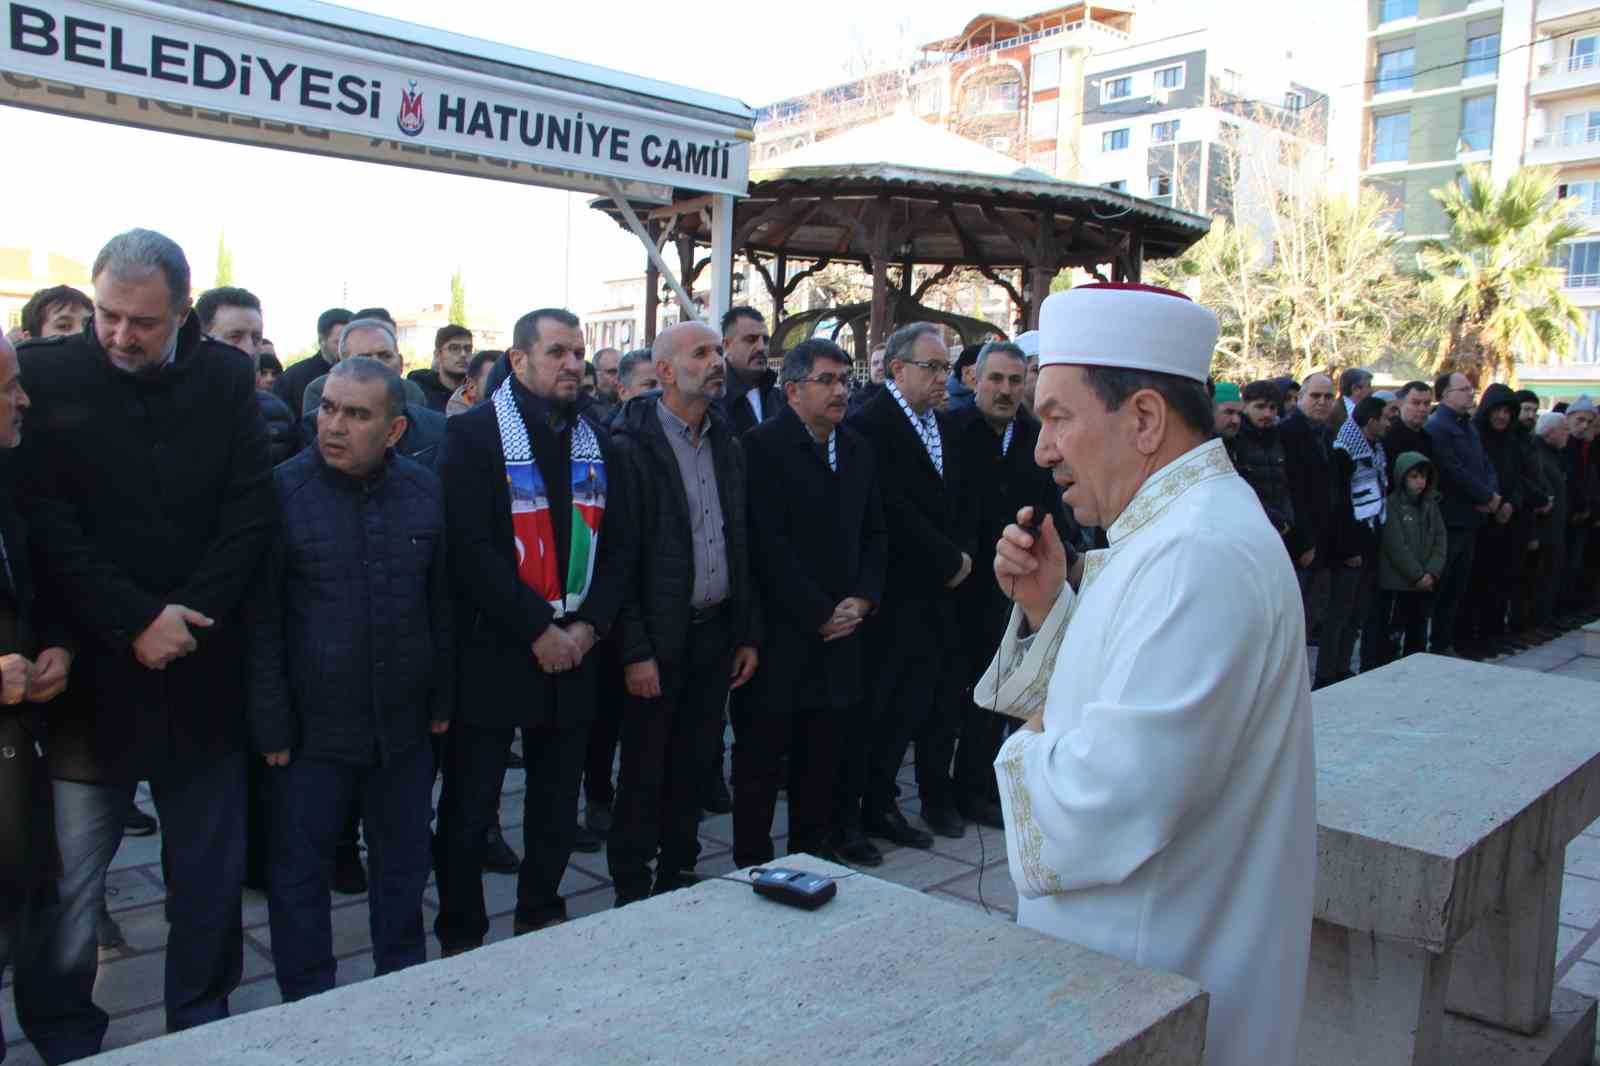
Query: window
1046, 71
1586, 194
1294, 101
1117, 89
1581, 261
1477, 123
1391, 138
1042, 121
1170, 77
1582, 54
1161, 185
1114, 140
1164, 132
995, 97
1397, 9
1394, 195
1586, 341
1117, 186
1395, 69
1584, 127
1483, 56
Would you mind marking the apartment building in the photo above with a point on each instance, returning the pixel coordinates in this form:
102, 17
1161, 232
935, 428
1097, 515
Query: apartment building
1446, 85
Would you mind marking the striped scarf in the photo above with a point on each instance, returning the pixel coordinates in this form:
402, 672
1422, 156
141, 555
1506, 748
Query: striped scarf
1369, 490
532, 524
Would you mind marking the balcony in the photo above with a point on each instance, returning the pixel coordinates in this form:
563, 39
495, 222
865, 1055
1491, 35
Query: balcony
1566, 76
1551, 10
1568, 146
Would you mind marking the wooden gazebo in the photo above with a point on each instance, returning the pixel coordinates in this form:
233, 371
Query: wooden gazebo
902, 193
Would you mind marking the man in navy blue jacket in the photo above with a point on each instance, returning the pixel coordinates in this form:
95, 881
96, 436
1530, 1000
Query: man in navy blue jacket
1467, 479
350, 672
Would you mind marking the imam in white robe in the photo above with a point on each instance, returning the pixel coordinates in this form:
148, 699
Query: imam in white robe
1166, 814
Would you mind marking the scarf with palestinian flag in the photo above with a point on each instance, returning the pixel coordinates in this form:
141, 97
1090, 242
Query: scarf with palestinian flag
533, 525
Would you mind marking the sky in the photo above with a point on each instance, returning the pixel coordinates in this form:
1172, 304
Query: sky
307, 232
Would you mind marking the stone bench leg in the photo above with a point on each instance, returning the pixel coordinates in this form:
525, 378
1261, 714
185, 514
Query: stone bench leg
1371, 1001
1504, 970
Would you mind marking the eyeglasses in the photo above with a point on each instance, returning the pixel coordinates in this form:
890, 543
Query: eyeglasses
828, 381
938, 366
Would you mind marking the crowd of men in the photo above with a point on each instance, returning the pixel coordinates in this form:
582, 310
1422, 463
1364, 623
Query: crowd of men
612, 554
1430, 517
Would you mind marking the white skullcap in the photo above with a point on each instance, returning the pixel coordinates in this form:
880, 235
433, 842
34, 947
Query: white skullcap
1028, 342
1137, 327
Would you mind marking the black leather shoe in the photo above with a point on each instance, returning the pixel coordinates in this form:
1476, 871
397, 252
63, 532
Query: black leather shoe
984, 812
944, 821
598, 819
136, 823
586, 842
349, 876
498, 858
892, 826
857, 850
718, 801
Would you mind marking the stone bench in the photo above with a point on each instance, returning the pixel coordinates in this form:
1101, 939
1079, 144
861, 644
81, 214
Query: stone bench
1447, 792
714, 974
1591, 640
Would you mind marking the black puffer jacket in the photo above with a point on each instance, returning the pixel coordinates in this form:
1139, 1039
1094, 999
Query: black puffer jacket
283, 435
1258, 455
350, 652
654, 621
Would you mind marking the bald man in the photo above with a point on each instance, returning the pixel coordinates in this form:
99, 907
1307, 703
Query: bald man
687, 629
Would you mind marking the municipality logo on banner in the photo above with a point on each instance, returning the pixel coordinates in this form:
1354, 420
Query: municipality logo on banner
410, 118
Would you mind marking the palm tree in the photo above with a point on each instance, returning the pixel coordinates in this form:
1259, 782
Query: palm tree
1491, 283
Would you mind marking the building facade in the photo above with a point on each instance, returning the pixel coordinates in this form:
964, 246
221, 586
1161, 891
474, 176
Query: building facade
24, 271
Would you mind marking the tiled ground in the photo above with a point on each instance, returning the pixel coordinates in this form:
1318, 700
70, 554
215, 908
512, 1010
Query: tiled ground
129, 984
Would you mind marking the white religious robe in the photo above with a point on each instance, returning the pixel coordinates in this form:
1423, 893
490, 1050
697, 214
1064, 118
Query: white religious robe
1166, 814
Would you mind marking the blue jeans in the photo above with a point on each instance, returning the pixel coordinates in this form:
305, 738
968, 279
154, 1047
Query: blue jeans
201, 807
307, 804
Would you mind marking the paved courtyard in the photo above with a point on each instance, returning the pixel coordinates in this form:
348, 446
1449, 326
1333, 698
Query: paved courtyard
129, 984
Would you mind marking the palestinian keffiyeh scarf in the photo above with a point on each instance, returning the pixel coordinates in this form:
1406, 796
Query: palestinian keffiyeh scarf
1369, 495
532, 524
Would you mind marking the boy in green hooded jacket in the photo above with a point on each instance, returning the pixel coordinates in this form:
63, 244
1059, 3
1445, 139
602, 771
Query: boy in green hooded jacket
1412, 554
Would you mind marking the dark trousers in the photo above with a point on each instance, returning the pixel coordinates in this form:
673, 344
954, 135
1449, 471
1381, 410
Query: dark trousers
936, 740
905, 689
1314, 582
609, 693
667, 743
475, 760
308, 802
1549, 567
1453, 583
1349, 600
1408, 616
1575, 591
762, 737
201, 806
1493, 577
982, 733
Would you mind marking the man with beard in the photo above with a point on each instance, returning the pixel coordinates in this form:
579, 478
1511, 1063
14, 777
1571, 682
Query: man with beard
291, 384
689, 627
452, 351
815, 509
1502, 541
539, 549
1227, 408
1258, 454
997, 441
914, 642
752, 394
1539, 499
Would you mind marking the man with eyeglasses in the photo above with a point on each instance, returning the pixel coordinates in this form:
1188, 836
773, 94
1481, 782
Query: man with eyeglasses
452, 351
815, 509
1471, 492
997, 439
914, 644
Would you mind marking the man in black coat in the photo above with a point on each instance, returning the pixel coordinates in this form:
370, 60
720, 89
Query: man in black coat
1502, 543
997, 440
147, 491
690, 627
539, 574
815, 509
343, 696
1259, 456
1471, 494
1308, 458
233, 316
1406, 433
914, 643
291, 384
452, 352
28, 860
